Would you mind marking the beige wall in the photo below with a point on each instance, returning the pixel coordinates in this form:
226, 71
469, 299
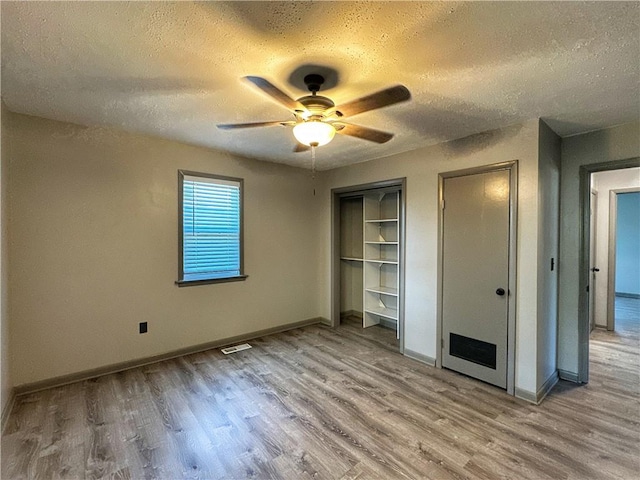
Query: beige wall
616, 143
421, 168
94, 249
93, 244
5, 373
548, 246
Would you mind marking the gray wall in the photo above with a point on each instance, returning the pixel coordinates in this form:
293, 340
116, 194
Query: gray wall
549, 243
628, 244
94, 249
616, 143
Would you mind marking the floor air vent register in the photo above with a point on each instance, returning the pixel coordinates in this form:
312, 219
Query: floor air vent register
235, 348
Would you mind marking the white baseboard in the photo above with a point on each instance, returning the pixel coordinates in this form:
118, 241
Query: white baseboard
547, 386
420, 357
542, 392
526, 395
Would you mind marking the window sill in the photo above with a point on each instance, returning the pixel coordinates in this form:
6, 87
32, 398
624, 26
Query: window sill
193, 283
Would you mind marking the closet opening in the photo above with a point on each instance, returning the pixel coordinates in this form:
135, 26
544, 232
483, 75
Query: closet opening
368, 260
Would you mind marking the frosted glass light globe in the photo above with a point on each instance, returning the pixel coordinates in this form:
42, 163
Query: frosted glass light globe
314, 133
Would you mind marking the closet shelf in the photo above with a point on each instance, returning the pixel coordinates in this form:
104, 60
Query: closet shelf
380, 243
381, 260
351, 259
383, 312
383, 290
382, 220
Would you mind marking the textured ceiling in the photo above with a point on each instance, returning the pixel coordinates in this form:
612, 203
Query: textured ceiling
174, 69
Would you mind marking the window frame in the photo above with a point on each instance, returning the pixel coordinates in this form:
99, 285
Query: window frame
182, 282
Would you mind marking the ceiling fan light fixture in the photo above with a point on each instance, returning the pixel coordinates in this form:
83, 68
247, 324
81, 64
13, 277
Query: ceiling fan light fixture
314, 133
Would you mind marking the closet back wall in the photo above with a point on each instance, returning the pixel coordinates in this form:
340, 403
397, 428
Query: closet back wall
94, 249
351, 222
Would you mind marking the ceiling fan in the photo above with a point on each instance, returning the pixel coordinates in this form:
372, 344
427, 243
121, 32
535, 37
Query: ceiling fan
318, 119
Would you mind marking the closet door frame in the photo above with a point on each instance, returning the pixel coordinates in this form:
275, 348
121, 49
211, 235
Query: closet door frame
399, 184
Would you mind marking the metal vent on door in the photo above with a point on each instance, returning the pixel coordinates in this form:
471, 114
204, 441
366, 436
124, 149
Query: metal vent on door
472, 350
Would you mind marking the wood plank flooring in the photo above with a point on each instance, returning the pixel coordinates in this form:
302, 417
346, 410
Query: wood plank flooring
317, 403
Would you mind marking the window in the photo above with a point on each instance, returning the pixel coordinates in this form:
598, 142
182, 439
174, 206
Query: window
210, 229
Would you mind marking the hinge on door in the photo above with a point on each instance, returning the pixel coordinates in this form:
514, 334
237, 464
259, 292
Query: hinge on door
442, 343
442, 204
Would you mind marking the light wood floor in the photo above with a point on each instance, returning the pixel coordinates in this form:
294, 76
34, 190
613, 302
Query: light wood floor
327, 404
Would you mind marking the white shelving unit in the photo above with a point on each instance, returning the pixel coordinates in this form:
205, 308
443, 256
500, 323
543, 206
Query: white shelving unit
381, 270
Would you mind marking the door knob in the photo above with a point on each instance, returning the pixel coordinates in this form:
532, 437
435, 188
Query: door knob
500, 291
594, 269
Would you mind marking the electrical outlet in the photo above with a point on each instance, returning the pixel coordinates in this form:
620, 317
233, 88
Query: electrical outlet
143, 327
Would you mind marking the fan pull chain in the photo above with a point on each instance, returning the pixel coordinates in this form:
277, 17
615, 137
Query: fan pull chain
313, 168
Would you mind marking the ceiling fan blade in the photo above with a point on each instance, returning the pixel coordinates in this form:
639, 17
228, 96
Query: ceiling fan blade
231, 126
274, 92
301, 148
380, 99
364, 133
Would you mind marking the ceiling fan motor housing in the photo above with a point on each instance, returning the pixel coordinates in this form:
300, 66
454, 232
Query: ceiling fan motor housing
313, 81
316, 104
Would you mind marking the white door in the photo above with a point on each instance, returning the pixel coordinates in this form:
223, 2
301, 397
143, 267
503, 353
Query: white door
475, 275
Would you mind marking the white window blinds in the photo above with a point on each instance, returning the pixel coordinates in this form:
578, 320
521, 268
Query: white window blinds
210, 228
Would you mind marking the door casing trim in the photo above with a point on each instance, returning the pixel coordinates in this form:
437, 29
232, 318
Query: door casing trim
583, 249
512, 167
593, 232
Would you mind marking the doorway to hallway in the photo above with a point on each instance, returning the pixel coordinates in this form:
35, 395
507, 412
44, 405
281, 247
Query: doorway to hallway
597, 301
614, 251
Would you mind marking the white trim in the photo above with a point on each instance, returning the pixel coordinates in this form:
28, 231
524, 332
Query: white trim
526, 395
420, 357
542, 392
547, 386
